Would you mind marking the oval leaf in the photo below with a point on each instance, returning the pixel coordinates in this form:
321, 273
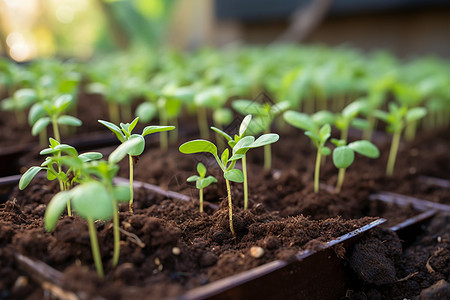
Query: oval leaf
40, 125
365, 148
153, 129
244, 124
121, 193
201, 169
415, 114
198, 146
114, 128
265, 139
146, 111
92, 200
234, 175
300, 120
69, 120
343, 157
123, 150
55, 208
37, 111
139, 148
28, 176
89, 156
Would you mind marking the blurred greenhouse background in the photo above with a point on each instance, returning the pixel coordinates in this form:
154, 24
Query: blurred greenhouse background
80, 28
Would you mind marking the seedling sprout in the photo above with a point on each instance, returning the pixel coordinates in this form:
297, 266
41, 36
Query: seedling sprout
201, 181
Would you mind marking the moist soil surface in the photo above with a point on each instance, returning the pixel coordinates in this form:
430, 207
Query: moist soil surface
167, 246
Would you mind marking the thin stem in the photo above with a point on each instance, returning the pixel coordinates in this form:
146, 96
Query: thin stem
317, 170
163, 136
267, 157
344, 134
367, 134
55, 129
114, 112
201, 200
173, 135
219, 139
131, 183
116, 233
94, 247
393, 153
244, 171
202, 122
410, 131
340, 179
230, 207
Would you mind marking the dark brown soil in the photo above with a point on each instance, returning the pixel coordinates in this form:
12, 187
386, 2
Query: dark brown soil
208, 251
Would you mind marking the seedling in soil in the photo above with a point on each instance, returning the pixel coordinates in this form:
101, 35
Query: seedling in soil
53, 166
318, 135
263, 140
210, 98
344, 155
225, 162
347, 118
264, 115
397, 118
19, 102
46, 112
124, 134
201, 181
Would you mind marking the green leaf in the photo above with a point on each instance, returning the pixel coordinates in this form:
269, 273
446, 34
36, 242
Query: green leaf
50, 175
89, 156
37, 111
121, 193
204, 182
133, 124
138, 148
365, 148
62, 102
47, 151
237, 156
325, 151
351, 110
193, 178
92, 200
123, 150
28, 176
382, 115
69, 120
53, 142
343, 157
313, 136
279, 107
234, 175
265, 139
360, 124
244, 124
246, 107
325, 132
146, 111
47, 161
300, 120
415, 114
198, 146
201, 169
40, 125
225, 135
153, 129
225, 156
243, 145
323, 117
67, 149
115, 129
55, 208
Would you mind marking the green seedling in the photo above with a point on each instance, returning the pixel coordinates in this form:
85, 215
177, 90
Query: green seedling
347, 118
124, 134
53, 166
225, 162
344, 155
263, 140
397, 118
43, 113
210, 98
318, 135
18, 103
201, 181
264, 115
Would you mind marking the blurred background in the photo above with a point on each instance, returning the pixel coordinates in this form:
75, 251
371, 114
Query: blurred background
80, 28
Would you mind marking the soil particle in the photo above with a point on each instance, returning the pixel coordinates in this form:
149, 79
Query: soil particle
439, 290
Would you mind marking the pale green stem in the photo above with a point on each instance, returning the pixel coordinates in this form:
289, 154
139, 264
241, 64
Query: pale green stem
317, 170
244, 171
393, 153
230, 207
267, 157
344, 134
56, 129
131, 183
201, 200
116, 233
340, 179
114, 112
202, 122
367, 134
163, 136
219, 139
410, 131
94, 247
173, 135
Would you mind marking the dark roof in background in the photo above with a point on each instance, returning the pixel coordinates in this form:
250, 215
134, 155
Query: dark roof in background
263, 10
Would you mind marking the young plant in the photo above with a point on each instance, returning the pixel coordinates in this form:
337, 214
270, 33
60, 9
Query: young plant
344, 155
53, 166
46, 112
226, 164
263, 140
210, 98
264, 115
18, 103
397, 118
124, 134
201, 181
318, 135
347, 118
